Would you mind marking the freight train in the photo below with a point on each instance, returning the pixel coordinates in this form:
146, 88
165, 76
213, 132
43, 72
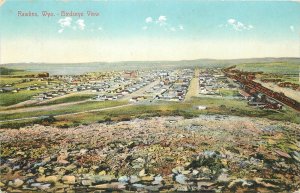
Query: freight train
248, 83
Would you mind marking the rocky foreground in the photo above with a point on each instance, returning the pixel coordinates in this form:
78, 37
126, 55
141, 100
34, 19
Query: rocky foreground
205, 154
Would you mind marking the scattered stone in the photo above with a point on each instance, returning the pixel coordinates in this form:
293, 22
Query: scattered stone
204, 184
180, 178
181, 188
261, 182
83, 151
157, 180
296, 156
41, 186
17, 183
102, 179
123, 179
134, 179
223, 178
151, 159
142, 173
86, 182
68, 179
111, 186
139, 185
238, 182
283, 154
147, 178
177, 170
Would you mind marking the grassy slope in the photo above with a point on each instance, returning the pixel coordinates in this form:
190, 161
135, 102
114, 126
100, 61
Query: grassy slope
273, 67
7, 99
90, 105
67, 99
6, 80
186, 109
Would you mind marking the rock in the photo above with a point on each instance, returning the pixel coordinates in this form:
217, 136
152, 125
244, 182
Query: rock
205, 170
52, 179
62, 158
223, 178
204, 184
111, 186
157, 180
16, 167
181, 188
139, 185
138, 163
238, 182
102, 173
41, 179
41, 186
71, 167
41, 170
180, 178
68, 179
63, 161
17, 183
195, 172
185, 172
123, 179
177, 170
296, 156
20, 153
83, 151
134, 179
1, 184
142, 173
169, 159
147, 178
152, 188
283, 154
86, 182
131, 144
210, 154
102, 179
261, 182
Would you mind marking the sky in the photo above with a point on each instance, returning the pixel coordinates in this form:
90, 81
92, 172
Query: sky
145, 30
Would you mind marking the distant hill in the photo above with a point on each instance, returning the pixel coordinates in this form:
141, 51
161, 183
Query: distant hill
80, 68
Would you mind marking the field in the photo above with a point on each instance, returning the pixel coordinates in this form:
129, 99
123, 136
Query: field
272, 67
185, 109
64, 99
7, 99
8, 81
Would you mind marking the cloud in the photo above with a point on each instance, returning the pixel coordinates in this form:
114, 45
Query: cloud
80, 23
292, 28
66, 22
231, 21
149, 20
162, 20
237, 25
100, 28
172, 29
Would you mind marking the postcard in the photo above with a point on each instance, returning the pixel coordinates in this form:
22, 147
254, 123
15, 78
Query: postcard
149, 96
